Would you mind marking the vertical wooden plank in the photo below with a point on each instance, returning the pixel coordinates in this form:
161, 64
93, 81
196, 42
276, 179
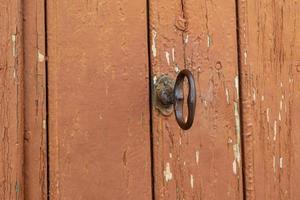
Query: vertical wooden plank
205, 161
98, 100
270, 59
35, 149
11, 100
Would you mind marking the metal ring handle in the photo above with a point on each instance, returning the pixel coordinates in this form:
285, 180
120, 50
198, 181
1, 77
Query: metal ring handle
179, 99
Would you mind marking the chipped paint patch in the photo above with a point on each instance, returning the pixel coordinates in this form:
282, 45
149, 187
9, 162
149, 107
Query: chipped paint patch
275, 130
186, 40
154, 34
236, 83
168, 57
173, 54
234, 167
192, 181
237, 119
14, 42
167, 172
154, 79
170, 155
209, 41
227, 96
197, 157
177, 70
44, 124
40, 56
245, 57
262, 98
281, 163
274, 164
268, 114
254, 94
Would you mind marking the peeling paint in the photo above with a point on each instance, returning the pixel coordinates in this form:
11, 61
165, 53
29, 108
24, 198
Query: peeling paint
186, 40
275, 130
154, 34
192, 181
209, 41
170, 155
236, 83
274, 164
227, 96
40, 56
44, 124
167, 173
245, 57
176, 68
14, 48
268, 114
197, 157
173, 54
281, 162
237, 119
234, 167
168, 57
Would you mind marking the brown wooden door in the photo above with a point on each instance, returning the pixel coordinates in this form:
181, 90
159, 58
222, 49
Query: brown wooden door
78, 114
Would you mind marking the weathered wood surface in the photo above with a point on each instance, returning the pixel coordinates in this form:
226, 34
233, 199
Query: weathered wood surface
11, 101
269, 35
98, 100
35, 144
205, 161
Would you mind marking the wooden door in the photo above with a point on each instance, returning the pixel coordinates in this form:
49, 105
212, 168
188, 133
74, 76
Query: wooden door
78, 113
99, 131
205, 161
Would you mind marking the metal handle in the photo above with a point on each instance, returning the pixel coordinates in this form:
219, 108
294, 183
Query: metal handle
179, 99
169, 92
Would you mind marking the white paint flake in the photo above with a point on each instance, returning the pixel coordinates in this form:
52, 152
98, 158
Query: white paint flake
154, 34
274, 164
44, 124
234, 167
154, 80
275, 130
268, 114
262, 98
245, 57
40, 56
176, 68
192, 181
197, 157
227, 96
237, 118
281, 162
170, 155
254, 94
237, 158
208, 41
173, 54
168, 57
167, 173
236, 83
14, 41
186, 40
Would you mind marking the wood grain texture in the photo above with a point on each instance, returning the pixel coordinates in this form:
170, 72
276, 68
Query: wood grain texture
269, 34
35, 145
205, 161
98, 100
11, 101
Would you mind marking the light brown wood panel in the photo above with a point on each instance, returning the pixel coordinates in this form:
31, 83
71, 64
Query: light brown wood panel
35, 144
98, 100
205, 161
269, 35
11, 100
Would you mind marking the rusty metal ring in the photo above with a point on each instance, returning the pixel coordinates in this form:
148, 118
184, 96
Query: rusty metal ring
179, 99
